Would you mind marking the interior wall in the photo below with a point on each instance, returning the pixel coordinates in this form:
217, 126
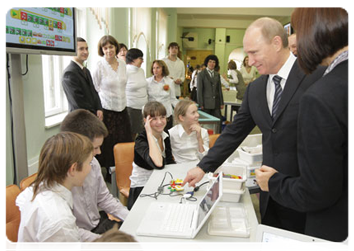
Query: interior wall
36, 133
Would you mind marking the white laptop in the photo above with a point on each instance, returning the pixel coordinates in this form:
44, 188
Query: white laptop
164, 219
275, 239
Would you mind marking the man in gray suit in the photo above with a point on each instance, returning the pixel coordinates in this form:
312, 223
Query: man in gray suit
266, 44
209, 93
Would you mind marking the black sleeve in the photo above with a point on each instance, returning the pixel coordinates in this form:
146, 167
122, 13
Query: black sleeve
230, 138
141, 153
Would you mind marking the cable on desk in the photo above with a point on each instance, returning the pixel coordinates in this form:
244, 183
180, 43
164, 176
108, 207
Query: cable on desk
187, 196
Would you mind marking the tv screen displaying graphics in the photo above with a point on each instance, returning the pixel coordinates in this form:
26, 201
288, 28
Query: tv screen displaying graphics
41, 30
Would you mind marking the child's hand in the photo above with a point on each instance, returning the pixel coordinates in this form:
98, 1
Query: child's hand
196, 128
147, 124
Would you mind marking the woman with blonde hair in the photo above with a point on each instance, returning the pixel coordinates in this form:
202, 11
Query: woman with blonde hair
46, 205
249, 73
189, 141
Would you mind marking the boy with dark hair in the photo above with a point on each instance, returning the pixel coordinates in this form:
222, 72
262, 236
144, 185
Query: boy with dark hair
94, 193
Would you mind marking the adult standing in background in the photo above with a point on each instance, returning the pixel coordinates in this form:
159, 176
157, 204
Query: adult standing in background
266, 43
78, 85
110, 81
235, 77
321, 190
193, 84
292, 44
161, 89
176, 68
122, 51
136, 90
210, 98
249, 72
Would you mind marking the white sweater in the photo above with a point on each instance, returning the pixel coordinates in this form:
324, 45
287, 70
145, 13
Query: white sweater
136, 89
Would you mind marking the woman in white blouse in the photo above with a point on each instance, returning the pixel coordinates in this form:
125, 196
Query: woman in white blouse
189, 141
249, 73
161, 88
136, 90
110, 81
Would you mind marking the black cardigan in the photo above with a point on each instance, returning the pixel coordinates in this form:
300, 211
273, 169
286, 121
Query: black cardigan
141, 153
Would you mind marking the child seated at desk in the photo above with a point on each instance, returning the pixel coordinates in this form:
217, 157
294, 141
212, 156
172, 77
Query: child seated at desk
92, 203
46, 205
152, 149
189, 141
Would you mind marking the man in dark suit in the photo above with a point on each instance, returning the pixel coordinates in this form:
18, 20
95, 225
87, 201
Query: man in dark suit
209, 93
266, 44
78, 85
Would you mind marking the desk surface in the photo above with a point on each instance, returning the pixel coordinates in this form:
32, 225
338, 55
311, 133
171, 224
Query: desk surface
179, 171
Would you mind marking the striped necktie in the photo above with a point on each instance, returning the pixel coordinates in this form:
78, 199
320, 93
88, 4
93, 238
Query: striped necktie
211, 73
277, 95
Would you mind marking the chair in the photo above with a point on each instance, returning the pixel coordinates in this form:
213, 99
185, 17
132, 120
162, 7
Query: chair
27, 181
13, 214
123, 158
212, 139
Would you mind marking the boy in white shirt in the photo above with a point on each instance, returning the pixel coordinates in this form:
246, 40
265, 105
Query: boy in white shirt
94, 193
46, 205
175, 67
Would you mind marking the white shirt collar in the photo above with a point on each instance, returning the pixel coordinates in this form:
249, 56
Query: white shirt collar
181, 131
80, 65
63, 192
286, 68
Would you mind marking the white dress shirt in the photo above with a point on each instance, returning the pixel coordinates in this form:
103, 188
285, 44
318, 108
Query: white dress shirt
111, 84
156, 92
283, 73
136, 89
185, 147
49, 217
177, 71
140, 176
91, 197
194, 79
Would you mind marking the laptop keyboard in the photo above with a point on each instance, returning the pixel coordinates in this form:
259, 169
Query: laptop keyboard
178, 218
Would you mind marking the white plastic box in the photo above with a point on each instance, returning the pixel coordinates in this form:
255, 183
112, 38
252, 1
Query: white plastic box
251, 154
229, 221
233, 169
232, 195
250, 167
232, 188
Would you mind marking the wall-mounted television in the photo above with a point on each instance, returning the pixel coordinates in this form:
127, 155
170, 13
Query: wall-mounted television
50, 31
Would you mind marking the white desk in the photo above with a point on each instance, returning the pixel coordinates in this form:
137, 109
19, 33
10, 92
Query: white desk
179, 171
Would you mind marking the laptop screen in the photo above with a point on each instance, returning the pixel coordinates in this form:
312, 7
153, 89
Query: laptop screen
208, 201
273, 242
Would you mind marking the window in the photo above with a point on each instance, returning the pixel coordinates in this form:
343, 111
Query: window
55, 102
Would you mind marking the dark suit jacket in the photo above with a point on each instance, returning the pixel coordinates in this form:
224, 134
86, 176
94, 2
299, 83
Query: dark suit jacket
79, 89
279, 137
209, 91
322, 188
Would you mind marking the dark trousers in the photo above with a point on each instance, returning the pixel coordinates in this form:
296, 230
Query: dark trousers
105, 224
281, 217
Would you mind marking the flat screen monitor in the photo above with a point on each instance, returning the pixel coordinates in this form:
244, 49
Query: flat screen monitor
50, 31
